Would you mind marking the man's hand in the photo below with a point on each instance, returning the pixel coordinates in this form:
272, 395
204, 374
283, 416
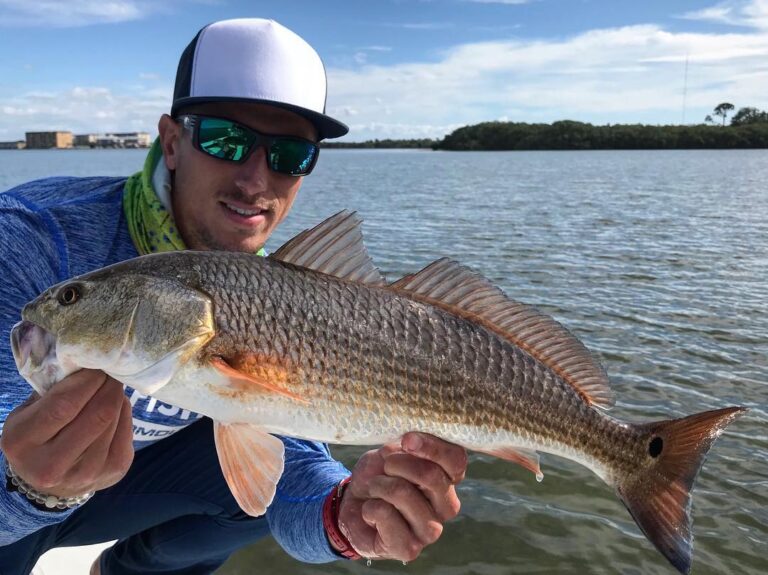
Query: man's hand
75, 439
400, 495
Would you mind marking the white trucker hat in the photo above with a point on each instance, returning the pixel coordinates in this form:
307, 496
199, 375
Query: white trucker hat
255, 60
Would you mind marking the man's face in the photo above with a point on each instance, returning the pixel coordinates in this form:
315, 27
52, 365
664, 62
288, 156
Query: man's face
208, 192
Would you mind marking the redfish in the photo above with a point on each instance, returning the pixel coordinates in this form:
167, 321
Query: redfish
311, 342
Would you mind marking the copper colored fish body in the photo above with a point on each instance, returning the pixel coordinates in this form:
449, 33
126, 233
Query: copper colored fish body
312, 343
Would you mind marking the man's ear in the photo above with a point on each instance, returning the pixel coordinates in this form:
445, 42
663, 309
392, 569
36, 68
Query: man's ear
170, 137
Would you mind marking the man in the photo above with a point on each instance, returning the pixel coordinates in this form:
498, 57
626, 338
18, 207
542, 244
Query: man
83, 462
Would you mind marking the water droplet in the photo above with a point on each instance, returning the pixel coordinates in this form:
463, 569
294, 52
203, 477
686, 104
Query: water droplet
405, 563
539, 477
368, 563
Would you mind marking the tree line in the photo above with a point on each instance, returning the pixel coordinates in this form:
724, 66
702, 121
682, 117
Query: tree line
748, 129
426, 143
570, 135
743, 117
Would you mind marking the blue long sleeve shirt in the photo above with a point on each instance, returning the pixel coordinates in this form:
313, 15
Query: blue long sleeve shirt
57, 228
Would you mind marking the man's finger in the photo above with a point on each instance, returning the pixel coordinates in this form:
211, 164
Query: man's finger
360, 534
33, 397
411, 503
87, 473
394, 539
121, 451
97, 466
97, 417
431, 480
370, 465
41, 420
451, 457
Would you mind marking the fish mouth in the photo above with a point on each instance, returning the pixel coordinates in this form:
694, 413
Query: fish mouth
34, 351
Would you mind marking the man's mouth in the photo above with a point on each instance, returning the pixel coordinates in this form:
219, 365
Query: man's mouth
245, 212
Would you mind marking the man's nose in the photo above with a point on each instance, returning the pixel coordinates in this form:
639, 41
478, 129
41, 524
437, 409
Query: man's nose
253, 174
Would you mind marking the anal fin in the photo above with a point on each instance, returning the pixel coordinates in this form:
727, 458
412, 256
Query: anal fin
252, 462
527, 458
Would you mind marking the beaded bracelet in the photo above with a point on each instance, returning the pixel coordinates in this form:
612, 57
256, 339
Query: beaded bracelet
42, 501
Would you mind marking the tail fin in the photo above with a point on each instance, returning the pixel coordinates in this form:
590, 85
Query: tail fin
658, 493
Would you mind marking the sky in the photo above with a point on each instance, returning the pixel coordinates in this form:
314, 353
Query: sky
397, 68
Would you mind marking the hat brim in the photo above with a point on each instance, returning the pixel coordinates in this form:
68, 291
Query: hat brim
326, 126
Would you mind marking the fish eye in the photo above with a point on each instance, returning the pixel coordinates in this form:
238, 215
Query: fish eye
68, 294
655, 446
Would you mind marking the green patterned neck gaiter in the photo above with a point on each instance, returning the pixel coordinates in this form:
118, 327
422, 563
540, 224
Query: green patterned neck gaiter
151, 226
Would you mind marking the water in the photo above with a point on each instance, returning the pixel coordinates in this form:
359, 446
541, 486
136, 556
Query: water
657, 260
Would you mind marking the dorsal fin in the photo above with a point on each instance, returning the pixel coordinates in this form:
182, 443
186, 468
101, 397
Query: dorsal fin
334, 247
454, 287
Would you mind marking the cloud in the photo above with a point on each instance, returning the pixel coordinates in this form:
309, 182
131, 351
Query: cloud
613, 75
54, 13
18, 112
83, 109
361, 55
748, 13
722, 14
756, 12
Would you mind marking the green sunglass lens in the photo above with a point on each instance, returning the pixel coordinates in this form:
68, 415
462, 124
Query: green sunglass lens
291, 156
223, 139
229, 141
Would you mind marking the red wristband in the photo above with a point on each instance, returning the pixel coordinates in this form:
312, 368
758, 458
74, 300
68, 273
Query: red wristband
331, 522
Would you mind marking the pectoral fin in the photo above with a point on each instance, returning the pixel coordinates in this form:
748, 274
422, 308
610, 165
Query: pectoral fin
248, 380
252, 463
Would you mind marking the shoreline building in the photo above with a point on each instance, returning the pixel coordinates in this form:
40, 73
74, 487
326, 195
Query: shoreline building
85, 141
47, 140
66, 140
114, 140
134, 139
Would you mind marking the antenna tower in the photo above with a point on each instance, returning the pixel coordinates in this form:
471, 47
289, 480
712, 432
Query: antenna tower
685, 86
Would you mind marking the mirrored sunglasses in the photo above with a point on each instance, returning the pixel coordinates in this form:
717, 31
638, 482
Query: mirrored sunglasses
228, 140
